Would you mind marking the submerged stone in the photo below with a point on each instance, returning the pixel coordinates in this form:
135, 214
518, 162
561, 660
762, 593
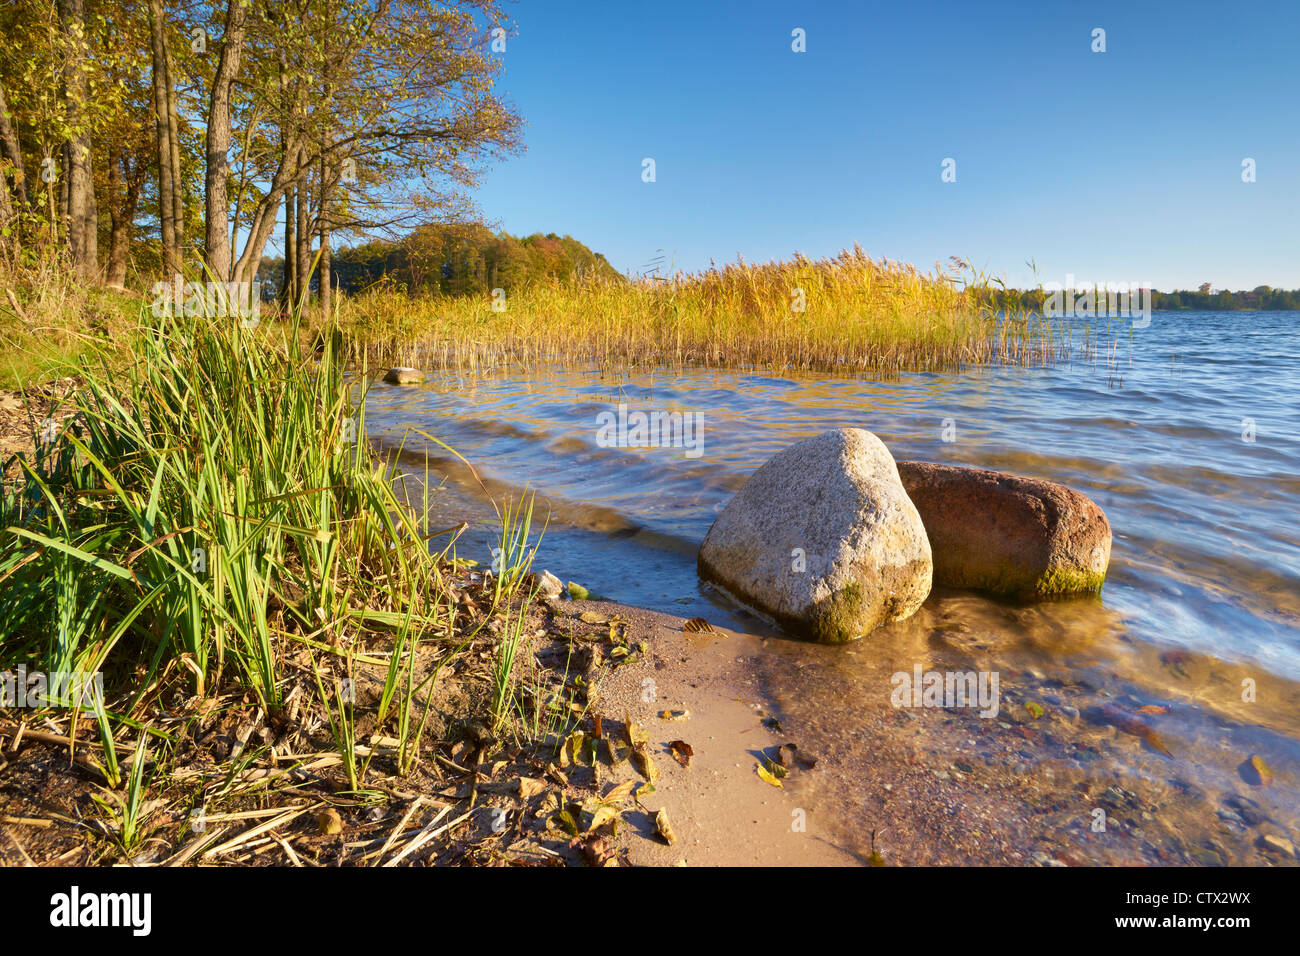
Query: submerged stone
823, 540
404, 375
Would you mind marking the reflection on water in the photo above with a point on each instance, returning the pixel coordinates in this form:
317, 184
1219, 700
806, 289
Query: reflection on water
1188, 440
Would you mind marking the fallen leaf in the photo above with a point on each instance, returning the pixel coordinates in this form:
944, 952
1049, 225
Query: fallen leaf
682, 752
633, 731
598, 852
530, 787
1152, 709
329, 822
1154, 740
1035, 709
570, 749
764, 774
601, 814
664, 828
1262, 770
645, 766
591, 617
674, 714
696, 625
558, 775
620, 792
564, 820
1132, 725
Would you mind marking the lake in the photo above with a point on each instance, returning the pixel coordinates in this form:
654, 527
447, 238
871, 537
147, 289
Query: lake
1186, 432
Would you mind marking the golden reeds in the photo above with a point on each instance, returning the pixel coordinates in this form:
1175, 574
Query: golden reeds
850, 314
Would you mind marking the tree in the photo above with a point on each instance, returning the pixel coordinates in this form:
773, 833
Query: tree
216, 198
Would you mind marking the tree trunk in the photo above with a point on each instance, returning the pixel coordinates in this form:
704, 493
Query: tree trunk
81, 184
173, 126
90, 242
216, 201
115, 275
171, 262
65, 177
326, 293
6, 208
13, 153
264, 215
290, 248
302, 257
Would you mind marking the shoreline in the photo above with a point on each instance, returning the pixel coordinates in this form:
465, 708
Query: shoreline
938, 786
935, 786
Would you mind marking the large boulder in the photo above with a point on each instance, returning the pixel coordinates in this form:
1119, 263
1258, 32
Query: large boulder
823, 540
1022, 537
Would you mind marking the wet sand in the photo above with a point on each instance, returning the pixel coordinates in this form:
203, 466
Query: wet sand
1055, 783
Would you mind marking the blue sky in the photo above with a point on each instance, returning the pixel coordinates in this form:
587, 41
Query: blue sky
1117, 166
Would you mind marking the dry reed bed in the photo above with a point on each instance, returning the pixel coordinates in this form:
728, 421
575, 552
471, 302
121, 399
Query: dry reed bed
859, 316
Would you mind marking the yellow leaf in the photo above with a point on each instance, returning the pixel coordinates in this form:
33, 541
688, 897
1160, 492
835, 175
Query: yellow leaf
644, 765
664, 828
1264, 771
763, 774
617, 794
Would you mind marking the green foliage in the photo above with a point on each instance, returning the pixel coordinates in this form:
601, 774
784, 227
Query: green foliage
1261, 298
460, 260
209, 501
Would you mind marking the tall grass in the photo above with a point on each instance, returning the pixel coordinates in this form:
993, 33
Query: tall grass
203, 507
850, 314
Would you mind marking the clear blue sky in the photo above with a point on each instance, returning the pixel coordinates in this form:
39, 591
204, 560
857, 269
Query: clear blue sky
1115, 166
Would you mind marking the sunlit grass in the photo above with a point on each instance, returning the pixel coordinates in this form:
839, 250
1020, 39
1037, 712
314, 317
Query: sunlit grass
850, 314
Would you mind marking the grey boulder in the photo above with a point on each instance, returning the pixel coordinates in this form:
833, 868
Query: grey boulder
823, 540
404, 375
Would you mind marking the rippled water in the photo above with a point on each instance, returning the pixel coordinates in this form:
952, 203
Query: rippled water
1187, 435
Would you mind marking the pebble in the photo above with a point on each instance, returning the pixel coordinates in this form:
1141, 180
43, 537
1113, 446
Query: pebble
1277, 844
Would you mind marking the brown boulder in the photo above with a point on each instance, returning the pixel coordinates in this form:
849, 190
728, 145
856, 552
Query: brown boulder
1024, 537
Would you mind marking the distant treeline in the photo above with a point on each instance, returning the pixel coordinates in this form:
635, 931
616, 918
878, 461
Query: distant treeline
1261, 297
457, 260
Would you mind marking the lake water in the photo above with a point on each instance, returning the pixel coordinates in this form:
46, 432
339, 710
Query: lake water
1187, 434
